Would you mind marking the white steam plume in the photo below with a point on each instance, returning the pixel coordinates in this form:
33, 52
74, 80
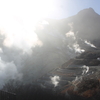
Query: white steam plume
85, 69
71, 34
55, 80
90, 44
72, 40
8, 71
98, 58
77, 48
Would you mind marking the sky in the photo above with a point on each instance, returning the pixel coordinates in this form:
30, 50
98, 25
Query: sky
56, 9
18, 18
67, 8
32, 10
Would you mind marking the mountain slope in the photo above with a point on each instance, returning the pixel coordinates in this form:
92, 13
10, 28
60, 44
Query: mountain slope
56, 47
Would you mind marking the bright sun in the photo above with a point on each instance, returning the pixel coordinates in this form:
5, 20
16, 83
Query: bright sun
18, 18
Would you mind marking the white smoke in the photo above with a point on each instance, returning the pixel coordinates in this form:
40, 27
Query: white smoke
24, 41
85, 69
72, 40
90, 44
70, 34
55, 80
75, 82
78, 79
71, 26
98, 59
19, 49
8, 71
15, 48
77, 48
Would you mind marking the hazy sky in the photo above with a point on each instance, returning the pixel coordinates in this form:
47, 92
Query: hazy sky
66, 8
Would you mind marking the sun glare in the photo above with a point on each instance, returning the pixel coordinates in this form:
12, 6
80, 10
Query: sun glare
18, 18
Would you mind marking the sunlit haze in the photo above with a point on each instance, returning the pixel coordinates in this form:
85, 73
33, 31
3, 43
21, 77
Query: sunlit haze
18, 18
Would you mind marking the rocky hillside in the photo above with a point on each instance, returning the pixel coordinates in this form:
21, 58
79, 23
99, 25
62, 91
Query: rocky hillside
79, 76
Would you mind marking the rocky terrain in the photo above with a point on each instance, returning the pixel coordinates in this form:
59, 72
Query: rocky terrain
79, 76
